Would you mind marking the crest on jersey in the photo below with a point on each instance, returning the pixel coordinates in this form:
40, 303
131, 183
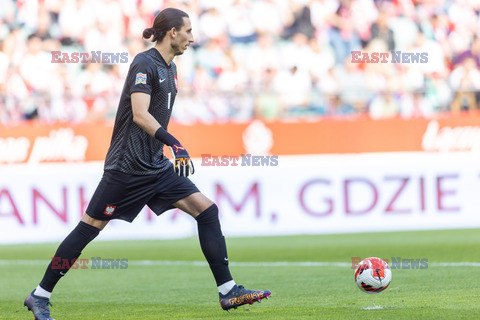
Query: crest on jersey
141, 78
176, 82
109, 210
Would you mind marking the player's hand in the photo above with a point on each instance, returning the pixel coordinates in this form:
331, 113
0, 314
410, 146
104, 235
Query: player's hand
182, 164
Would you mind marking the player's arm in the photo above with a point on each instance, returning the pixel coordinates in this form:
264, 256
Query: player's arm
141, 116
183, 165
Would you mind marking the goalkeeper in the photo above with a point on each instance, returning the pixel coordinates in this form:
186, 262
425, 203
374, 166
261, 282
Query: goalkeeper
138, 174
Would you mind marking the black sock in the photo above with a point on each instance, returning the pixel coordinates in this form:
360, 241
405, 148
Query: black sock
213, 244
67, 253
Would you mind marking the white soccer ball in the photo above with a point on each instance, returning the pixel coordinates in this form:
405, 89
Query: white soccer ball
373, 275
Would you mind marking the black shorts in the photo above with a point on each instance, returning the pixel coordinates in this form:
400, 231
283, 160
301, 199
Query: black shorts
123, 196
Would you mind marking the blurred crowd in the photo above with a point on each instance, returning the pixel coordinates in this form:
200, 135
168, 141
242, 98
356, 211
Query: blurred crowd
264, 59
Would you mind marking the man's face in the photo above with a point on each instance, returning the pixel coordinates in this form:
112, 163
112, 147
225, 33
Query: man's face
184, 37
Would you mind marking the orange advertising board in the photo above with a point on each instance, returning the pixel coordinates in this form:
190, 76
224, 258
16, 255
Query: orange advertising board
36, 142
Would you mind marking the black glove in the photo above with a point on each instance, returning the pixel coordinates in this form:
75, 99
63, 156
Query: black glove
181, 160
182, 164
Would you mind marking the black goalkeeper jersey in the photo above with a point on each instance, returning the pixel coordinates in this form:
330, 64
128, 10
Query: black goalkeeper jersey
132, 150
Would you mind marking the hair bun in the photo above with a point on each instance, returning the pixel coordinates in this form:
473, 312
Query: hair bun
148, 33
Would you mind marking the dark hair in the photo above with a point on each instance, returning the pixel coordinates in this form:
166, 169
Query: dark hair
164, 21
32, 36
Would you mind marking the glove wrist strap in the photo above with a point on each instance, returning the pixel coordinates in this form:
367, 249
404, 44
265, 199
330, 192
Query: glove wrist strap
165, 137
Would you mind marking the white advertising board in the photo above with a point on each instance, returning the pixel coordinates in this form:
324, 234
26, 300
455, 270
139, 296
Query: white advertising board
301, 195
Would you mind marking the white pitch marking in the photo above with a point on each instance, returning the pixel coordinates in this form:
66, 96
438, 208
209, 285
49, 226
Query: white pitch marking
455, 264
5, 262
373, 308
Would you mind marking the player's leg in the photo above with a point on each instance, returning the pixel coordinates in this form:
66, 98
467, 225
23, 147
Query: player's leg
69, 250
210, 235
118, 196
108, 201
214, 248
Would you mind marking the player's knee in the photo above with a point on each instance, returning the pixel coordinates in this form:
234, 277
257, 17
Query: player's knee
209, 215
99, 224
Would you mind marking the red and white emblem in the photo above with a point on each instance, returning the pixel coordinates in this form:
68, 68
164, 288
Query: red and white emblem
109, 210
176, 82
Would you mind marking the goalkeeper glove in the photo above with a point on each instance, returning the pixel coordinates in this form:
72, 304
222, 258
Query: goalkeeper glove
182, 164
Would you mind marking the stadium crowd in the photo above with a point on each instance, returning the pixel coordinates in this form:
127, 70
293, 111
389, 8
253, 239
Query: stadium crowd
251, 58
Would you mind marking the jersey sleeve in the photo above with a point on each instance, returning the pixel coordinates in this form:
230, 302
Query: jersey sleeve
141, 75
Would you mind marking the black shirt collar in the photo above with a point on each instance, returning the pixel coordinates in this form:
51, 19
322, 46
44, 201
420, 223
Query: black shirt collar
154, 52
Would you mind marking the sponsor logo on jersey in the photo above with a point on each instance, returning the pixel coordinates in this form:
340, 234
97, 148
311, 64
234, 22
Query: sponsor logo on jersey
109, 210
141, 78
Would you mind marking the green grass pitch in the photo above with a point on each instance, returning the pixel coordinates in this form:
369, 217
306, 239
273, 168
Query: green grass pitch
186, 290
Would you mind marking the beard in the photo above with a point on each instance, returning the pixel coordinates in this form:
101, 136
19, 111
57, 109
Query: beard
176, 49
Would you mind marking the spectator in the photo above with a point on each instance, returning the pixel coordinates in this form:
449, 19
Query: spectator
465, 81
263, 58
35, 67
293, 86
381, 30
301, 22
240, 25
384, 106
343, 36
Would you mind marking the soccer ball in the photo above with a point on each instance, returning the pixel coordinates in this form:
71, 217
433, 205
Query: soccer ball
373, 275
